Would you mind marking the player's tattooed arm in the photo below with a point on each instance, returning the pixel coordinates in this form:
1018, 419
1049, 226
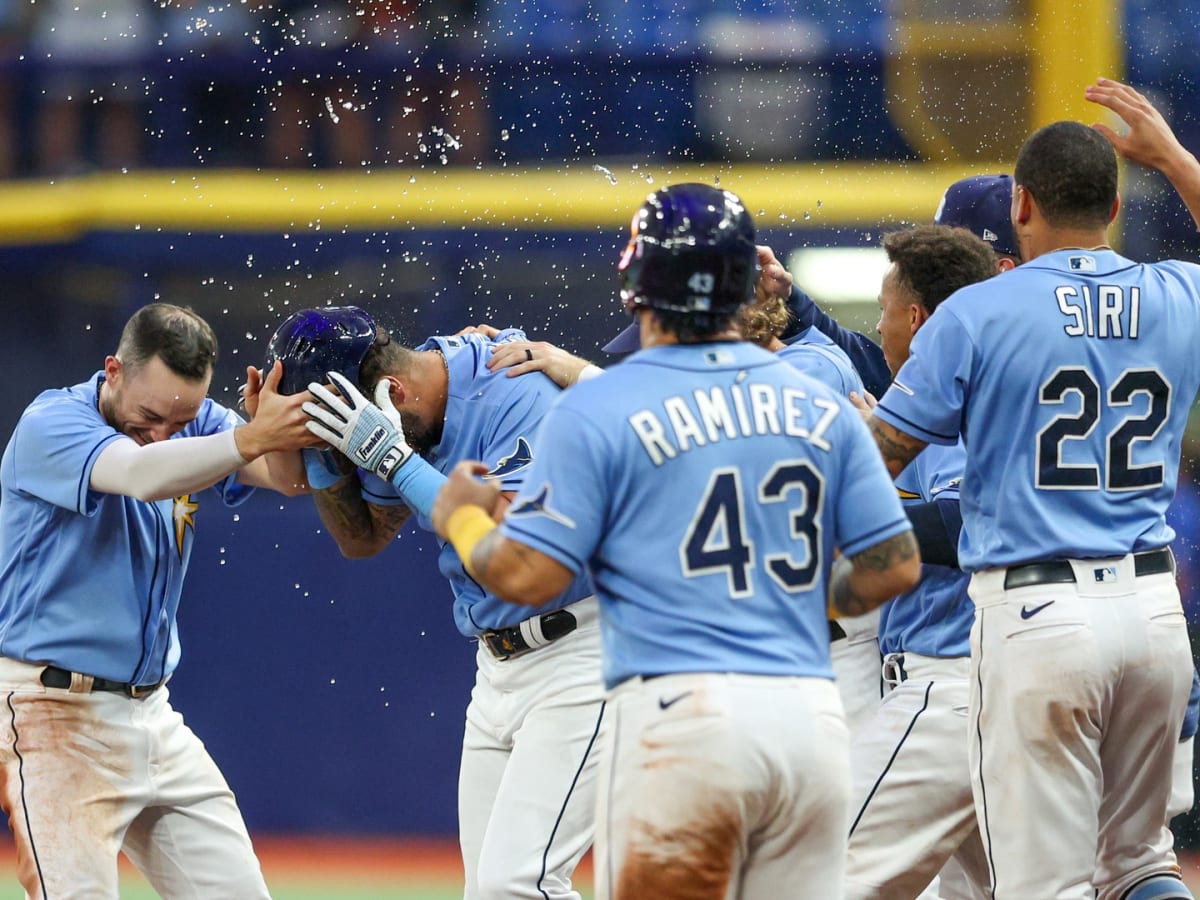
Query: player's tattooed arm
361, 529
897, 447
516, 572
862, 582
465, 514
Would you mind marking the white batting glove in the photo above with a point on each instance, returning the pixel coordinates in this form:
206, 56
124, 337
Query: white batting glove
371, 436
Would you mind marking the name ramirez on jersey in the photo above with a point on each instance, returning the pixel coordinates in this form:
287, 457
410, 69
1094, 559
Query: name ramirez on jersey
704, 417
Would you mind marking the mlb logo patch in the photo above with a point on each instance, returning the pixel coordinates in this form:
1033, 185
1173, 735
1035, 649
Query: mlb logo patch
719, 358
1105, 574
1082, 264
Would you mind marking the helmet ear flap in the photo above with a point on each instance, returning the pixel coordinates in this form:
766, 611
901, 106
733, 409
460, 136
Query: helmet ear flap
313, 342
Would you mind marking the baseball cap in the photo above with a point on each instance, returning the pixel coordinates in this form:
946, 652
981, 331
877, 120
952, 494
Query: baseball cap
982, 205
627, 341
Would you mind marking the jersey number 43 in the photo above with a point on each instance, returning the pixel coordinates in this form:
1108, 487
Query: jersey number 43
719, 537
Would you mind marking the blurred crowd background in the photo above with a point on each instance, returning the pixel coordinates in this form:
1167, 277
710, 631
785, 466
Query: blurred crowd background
372, 83
329, 710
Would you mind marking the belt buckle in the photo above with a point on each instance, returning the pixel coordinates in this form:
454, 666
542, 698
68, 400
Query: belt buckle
498, 645
141, 691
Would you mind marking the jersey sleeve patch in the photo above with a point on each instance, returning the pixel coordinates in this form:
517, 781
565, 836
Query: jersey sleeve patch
539, 505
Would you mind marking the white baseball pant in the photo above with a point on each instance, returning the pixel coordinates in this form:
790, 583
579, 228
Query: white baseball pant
722, 786
856, 664
87, 776
1078, 693
912, 808
526, 787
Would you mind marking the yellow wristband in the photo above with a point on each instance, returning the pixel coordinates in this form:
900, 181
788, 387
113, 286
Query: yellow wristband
466, 527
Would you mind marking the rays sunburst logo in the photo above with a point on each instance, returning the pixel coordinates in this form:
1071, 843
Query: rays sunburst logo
183, 512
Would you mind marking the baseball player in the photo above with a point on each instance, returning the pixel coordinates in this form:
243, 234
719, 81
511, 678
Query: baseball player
854, 647
706, 484
853, 640
1070, 380
979, 204
912, 806
526, 794
101, 485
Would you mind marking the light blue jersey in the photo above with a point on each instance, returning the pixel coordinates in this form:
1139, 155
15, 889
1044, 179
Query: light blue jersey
934, 618
493, 418
707, 486
817, 356
1080, 368
91, 582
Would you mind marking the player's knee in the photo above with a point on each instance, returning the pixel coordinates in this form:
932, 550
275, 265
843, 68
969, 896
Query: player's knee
1158, 887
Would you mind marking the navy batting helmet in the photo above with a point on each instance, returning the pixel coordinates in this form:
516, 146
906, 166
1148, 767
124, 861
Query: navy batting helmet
314, 342
691, 250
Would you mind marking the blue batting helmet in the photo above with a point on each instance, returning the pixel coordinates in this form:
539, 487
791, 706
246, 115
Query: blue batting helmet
691, 250
312, 343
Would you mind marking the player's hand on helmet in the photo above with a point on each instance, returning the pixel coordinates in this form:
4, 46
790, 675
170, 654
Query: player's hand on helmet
248, 392
773, 279
370, 435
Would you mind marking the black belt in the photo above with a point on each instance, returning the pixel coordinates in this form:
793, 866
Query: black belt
54, 677
506, 643
1059, 571
836, 631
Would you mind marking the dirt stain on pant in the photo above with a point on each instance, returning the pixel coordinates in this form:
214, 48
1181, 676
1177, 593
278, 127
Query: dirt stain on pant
691, 862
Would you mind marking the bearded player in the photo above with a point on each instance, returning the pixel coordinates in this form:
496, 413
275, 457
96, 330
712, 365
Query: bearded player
526, 794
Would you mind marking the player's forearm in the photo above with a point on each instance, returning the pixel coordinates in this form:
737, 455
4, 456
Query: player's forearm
165, 469
1184, 174
512, 571
281, 471
516, 573
350, 522
860, 583
898, 448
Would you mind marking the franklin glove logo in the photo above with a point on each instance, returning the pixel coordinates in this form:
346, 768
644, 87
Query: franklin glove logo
367, 447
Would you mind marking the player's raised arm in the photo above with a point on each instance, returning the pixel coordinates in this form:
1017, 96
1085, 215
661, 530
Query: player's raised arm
1150, 141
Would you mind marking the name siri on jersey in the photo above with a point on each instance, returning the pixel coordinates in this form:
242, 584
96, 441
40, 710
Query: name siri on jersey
735, 411
1108, 311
